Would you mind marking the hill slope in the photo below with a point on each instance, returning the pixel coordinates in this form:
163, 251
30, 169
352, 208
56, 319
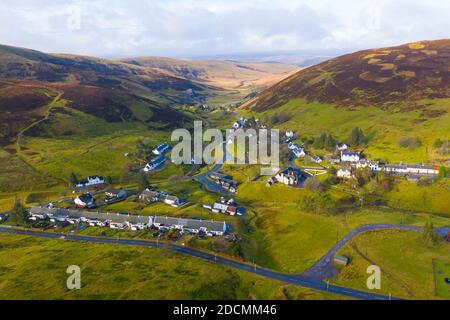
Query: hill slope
397, 77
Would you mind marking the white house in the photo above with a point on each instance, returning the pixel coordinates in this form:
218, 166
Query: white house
161, 150
85, 201
345, 172
372, 165
288, 177
342, 147
91, 181
350, 156
155, 163
172, 201
316, 159
410, 169
299, 152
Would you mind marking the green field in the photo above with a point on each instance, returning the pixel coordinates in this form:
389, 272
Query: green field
32, 268
291, 240
406, 263
441, 275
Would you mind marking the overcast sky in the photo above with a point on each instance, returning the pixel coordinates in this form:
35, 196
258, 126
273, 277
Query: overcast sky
184, 28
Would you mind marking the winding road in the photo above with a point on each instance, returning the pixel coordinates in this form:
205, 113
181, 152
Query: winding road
308, 279
324, 268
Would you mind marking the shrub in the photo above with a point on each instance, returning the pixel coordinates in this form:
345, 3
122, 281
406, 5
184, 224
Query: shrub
318, 203
411, 143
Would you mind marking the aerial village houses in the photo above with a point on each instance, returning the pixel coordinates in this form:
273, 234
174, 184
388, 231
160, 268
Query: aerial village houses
297, 150
129, 222
91, 181
372, 165
172, 201
350, 157
116, 193
405, 169
150, 196
316, 159
224, 181
289, 177
341, 147
161, 150
155, 164
225, 208
346, 172
85, 201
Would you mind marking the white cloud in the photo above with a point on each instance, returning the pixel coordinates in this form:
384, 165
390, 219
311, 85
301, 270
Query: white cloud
202, 27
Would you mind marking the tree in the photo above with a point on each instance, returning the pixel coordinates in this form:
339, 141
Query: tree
19, 215
332, 171
385, 182
363, 176
73, 178
313, 184
143, 182
356, 137
443, 172
109, 180
318, 203
325, 141
429, 235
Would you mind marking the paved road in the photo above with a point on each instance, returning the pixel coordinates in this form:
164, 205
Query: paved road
293, 279
324, 268
209, 184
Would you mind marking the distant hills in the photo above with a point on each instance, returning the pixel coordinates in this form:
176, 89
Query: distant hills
396, 77
140, 89
223, 74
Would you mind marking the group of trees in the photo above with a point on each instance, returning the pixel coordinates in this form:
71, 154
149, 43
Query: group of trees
442, 147
356, 138
328, 142
277, 118
319, 203
325, 141
19, 215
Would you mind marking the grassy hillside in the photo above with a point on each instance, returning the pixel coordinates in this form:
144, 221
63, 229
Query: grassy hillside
394, 94
384, 128
395, 78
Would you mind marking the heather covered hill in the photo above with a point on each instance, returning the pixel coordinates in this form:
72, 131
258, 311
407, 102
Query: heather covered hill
388, 78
